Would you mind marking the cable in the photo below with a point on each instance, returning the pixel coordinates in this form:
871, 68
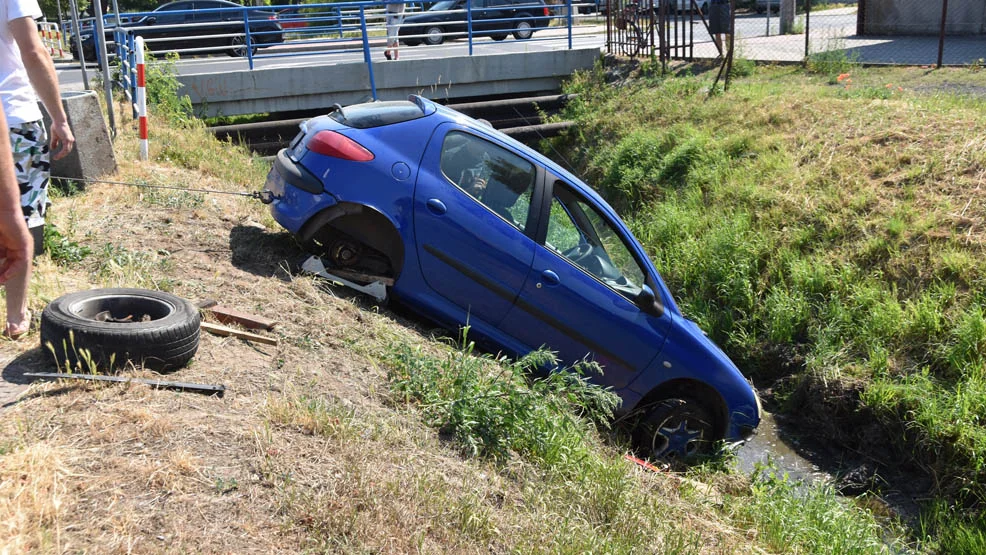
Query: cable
543, 138
263, 196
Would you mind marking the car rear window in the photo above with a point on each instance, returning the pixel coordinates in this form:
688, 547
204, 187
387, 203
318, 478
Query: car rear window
377, 114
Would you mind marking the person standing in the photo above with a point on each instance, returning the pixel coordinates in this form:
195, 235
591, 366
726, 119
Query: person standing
26, 73
395, 17
720, 23
16, 244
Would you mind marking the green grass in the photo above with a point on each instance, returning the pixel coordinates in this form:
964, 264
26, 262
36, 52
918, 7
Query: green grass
580, 495
834, 221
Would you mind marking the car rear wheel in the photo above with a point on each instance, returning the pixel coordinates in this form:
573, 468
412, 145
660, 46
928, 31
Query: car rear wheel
238, 47
434, 35
106, 328
676, 429
523, 30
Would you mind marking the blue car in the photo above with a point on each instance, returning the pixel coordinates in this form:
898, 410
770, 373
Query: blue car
472, 226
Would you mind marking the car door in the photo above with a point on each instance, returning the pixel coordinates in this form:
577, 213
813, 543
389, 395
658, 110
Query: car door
582, 295
493, 11
164, 31
475, 248
210, 26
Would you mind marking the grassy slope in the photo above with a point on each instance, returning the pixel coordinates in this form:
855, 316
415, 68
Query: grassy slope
830, 234
321, 444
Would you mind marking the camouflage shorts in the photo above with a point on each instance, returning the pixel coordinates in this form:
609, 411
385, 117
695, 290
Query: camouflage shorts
30, 145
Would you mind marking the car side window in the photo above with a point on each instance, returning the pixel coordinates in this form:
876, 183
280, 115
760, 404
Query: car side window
499, 179
168, 18
579, 232
205, 17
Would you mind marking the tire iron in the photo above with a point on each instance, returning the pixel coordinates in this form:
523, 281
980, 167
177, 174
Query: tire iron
204, 389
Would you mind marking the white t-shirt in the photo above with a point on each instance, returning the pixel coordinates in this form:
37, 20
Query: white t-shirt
20, 103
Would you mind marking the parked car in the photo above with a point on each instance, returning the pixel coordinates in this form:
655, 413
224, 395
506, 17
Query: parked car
493, 18
675, 6
474, 227
192, 24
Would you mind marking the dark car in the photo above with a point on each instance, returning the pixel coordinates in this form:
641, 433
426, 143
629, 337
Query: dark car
471, 227
491, 18
193, 24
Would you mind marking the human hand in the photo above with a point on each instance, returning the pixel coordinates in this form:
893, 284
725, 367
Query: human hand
477, 187
62, 140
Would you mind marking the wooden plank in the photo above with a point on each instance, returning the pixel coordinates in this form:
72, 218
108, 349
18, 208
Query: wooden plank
223, 331
180, 386
249, 321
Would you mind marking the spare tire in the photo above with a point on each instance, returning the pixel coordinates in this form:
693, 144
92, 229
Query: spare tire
104, 328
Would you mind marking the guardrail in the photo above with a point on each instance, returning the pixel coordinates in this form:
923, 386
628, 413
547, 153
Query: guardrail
266, 32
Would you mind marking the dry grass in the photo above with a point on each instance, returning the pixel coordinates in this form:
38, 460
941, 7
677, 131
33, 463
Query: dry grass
303, 453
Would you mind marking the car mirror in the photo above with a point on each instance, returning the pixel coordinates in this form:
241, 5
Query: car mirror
151, 20
647, 301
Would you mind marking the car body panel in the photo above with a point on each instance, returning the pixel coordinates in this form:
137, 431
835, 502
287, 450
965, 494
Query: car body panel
466, 251
489, 18
469, 264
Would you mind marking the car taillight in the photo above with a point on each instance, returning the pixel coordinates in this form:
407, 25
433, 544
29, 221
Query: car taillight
330, 143
547, 12
272, 18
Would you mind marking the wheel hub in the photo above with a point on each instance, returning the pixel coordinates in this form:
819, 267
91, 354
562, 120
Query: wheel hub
345, 253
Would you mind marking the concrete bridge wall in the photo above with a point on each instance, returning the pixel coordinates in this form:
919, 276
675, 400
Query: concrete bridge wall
317, 87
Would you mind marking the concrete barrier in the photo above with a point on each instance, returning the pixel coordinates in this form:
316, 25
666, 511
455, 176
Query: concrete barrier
93, 155
318, 87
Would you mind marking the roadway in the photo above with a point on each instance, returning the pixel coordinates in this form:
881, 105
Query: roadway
589, 31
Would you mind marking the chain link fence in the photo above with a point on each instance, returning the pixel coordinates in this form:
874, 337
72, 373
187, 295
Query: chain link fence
907, 32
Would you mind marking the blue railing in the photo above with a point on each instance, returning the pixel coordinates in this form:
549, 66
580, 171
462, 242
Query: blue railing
267, 32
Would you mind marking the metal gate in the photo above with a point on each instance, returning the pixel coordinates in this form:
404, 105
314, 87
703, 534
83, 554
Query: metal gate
663, 28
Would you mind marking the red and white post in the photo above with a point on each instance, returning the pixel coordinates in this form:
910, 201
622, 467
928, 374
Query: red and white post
141, 97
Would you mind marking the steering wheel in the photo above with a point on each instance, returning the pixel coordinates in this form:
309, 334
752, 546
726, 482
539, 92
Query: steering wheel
578, 252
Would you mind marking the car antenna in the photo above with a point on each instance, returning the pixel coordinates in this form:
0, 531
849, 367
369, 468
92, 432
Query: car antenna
545, 139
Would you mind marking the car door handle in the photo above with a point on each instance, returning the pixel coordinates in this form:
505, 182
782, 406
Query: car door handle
437, 206
549, 277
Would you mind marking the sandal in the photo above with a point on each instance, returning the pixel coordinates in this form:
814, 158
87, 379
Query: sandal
386, 54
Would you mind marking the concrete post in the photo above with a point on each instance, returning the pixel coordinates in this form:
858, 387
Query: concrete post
93, 155
787, 17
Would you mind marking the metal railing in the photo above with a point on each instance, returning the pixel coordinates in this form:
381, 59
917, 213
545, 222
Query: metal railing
256, 33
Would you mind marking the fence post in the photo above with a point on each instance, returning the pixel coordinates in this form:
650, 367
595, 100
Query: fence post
469, 25
366, 51
941, 35
246, 40
141, 97
807, 27
100, 39
569, 4
78, 42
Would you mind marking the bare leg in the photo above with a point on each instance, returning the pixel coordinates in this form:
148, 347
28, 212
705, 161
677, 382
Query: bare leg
18, 317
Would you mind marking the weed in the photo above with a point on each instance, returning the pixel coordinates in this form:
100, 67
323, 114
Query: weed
834, 60
61, 249
226, 485
799, 518
492, 411
162, 90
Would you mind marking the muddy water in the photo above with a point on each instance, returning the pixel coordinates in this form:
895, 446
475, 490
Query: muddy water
768, 447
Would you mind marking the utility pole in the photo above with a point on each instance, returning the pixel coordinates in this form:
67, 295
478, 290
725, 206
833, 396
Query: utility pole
100, 36
787, 16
